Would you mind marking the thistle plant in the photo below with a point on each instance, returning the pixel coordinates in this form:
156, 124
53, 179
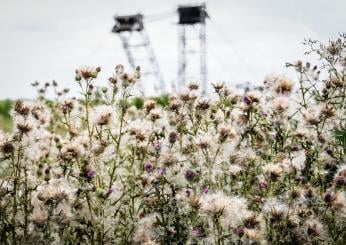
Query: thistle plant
262, 167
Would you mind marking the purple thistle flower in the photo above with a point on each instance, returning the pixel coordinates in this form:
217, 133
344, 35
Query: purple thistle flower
329, 151
172, 137
340, 180
262, 184
64, 109
110, 191
247, 100
240, 231
162, 171
206, 190
190, 175
197, 232
328, 197
158, 147
90, 173
148, 166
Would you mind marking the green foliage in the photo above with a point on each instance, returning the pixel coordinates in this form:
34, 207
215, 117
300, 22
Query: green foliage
340, 135
138, 102
162, 100
5, 117
5, 107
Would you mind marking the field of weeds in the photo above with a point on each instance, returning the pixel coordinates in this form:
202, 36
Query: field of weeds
264, 167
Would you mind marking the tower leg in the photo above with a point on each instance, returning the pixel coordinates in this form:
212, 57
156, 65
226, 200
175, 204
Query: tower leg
131, 49
181, 58
160, 85
126, 45
203, 58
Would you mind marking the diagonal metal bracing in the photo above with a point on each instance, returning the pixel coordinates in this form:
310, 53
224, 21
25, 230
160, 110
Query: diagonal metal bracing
134, 39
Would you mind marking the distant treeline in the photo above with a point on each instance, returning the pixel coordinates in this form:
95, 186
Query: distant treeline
6, 106
5, 117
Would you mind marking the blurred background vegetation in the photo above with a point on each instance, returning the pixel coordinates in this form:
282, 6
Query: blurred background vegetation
5, 117
6, 106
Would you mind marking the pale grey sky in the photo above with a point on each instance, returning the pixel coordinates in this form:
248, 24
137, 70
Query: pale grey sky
247, 39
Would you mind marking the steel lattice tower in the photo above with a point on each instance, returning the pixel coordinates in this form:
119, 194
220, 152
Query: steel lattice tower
127, 27
191, 18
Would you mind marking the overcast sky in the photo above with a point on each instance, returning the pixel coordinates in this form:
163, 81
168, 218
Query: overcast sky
48, 39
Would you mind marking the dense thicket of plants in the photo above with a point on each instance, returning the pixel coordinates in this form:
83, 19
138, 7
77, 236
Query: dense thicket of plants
266, 167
